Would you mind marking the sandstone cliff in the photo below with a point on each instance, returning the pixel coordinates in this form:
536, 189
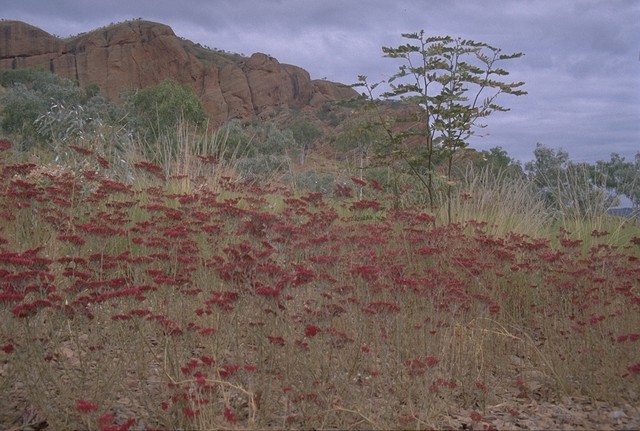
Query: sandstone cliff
137, 54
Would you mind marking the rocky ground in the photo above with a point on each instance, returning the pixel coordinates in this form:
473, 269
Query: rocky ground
571, 414
512, 414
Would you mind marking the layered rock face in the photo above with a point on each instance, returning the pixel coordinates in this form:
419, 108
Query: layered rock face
137, 54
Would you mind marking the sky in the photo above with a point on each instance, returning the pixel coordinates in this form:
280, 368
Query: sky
581, 62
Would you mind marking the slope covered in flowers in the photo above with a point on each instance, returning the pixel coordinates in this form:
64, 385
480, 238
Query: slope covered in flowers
251, 307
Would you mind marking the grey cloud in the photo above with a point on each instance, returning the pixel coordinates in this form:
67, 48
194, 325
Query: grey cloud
580, 65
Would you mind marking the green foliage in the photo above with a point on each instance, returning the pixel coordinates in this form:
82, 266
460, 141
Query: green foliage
330, 115
548, 166
311, 181
260, 149
620, 175
305, 134
92, 90
570, 189
356, 135
263, 167
271, 140
20, 109
64, 122
497, 162
157, 110
12, 77
456, 83
238, 142
41, 107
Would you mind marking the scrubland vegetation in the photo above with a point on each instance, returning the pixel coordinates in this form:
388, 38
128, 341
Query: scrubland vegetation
179, 278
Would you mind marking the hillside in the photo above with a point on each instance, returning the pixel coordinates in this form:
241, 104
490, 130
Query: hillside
137, 54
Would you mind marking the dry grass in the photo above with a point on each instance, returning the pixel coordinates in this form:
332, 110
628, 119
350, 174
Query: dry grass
227, 305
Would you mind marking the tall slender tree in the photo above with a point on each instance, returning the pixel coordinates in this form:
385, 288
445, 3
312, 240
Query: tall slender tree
456, 83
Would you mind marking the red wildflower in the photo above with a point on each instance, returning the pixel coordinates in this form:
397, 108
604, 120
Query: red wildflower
209, 160
279, 341
381, 306
230, 416
432, 361
358, 181
303, 275
424, 217
108, 185
81, 150
343, 191
190, 412
475, 416
84, 406
367, 272
206, 360
267, 291
376, 185
140, 312
106, 419
364, 204
207, 331
7, 348
18, 169
311, 330
427, 251
74, 239
315, 197
228, 370
103, 162
151, 168
566, 242
101, 231
11, 297
5, 144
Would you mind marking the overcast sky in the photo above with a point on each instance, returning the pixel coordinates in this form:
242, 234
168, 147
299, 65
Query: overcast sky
581, 63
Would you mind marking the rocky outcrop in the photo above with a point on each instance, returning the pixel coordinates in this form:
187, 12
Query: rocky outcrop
137, 54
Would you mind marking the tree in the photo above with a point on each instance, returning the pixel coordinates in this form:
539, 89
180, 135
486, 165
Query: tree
631, 185
498, 162
570, 189
620, 175
548, 168
455, 82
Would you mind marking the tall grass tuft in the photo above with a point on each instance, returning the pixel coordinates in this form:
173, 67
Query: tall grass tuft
582, 208
191, 158
507, 204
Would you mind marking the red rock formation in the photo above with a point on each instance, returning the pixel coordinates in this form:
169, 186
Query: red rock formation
137, 54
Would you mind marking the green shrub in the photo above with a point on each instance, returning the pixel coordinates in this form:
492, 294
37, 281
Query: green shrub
157, 110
